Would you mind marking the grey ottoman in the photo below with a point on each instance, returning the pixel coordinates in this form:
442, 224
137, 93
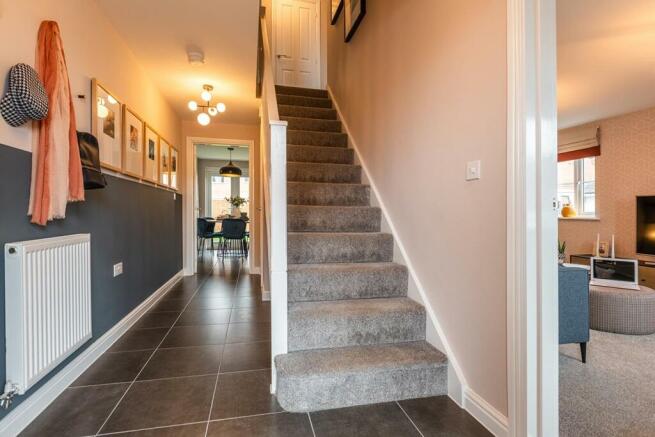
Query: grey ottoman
622, 311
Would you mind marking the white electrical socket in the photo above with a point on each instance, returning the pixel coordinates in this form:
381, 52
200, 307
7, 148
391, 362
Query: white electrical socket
118, 269
473, 170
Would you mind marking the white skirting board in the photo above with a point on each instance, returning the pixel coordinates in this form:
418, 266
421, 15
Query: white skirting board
457, 385
488, 416
28, 410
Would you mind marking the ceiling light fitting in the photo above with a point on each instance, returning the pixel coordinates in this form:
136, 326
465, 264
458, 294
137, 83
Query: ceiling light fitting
230, 170
207, 108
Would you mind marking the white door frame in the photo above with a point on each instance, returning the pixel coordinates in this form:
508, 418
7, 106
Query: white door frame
532, 314
317, 36
189, 253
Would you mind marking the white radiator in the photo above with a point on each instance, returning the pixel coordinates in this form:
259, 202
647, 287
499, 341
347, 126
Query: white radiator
47, 305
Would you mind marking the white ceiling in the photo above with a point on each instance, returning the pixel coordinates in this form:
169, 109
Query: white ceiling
220, 152
606, 58
159, 31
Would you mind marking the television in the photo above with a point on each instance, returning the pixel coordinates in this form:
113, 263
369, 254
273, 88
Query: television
646, 225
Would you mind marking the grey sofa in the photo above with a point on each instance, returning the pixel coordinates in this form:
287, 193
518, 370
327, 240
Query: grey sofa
574, 307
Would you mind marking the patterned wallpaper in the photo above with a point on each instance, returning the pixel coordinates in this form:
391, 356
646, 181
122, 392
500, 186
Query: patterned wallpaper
625, 169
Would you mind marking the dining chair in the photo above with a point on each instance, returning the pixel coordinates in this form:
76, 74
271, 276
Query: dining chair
233, 233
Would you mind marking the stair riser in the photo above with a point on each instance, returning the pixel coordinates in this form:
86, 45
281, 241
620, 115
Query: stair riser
307, 92
307, 112
325, 139
331, 155
313, 394
328, 194
304, 219
325, 285
301, 172
327, 248
312, 102
370, 329
312, 124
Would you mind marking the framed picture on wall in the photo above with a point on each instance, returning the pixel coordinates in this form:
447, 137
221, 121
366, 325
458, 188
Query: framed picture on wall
335, 9
354, 11
151, 155
133, 137
164, 162
174, 165
106, 126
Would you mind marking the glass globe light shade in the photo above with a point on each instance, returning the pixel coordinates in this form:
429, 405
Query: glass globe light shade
212, 111
193, 105
206, 95
221, 107
203, 119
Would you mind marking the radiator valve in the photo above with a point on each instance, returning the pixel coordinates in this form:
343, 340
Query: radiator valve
7, 397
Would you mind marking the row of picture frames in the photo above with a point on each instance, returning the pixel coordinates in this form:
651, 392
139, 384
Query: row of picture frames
353, 10
128, 144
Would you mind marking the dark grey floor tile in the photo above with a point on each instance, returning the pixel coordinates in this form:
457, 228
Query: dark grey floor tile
379, 420
137, 339
204, 317
253, 314
200, 303
271, 425
114, 367
244, 394
77, 411
246, 356
195, 430
169, 305
248, 332
163, 402
183, 336
217, 289
246, 302
157, 320
252, 282
187, 361
440, 416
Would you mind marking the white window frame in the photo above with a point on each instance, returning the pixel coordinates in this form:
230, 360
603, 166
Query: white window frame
578, 182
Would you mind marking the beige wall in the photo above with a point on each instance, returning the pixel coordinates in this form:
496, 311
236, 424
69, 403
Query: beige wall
223, 131
625, 169
93, 49
422, 86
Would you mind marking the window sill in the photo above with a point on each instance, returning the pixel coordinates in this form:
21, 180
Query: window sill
581, 218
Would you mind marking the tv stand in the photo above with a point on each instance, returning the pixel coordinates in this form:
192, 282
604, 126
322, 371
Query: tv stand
646, 268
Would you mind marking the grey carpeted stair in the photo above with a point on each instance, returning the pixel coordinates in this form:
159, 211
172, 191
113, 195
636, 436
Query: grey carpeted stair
318, 282
341, 323
311, 138
312, 218
294, 91
314, 102
312, 193
322, 172
307, 112
354, 337
335, 155
312, 124
341, 377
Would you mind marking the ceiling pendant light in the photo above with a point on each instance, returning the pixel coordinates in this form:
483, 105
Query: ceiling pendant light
208, 109
230, 170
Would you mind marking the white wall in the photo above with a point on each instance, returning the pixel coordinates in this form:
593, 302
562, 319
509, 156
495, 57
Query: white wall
422, 86
93, 49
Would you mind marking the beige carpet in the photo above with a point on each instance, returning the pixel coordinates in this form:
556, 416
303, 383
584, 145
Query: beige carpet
614, 393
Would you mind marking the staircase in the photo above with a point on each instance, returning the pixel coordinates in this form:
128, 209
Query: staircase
354, 336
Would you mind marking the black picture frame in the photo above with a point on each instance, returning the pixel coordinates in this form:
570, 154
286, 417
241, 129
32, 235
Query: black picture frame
347, 6
335, 13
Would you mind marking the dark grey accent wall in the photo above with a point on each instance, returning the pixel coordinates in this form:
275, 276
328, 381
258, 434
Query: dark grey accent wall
130, 222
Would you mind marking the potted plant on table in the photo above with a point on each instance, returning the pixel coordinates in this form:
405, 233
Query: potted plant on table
561, 251
236, 202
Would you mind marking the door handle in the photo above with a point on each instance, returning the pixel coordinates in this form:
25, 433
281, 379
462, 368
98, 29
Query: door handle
284, 56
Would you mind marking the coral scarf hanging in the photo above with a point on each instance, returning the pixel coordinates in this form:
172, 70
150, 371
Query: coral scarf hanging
56, 166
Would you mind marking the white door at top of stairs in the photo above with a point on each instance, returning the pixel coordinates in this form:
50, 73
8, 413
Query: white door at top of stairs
296, 42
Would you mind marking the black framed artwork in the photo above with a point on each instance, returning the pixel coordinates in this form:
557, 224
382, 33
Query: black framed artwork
336, 7
354, 11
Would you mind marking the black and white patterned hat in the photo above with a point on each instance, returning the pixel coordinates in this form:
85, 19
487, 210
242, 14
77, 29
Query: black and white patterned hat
26, 97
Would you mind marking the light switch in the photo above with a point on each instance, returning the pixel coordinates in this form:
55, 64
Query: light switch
473, 170
118, 269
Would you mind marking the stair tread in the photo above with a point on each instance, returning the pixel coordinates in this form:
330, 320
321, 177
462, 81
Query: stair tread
323, 164
343, 267
354, 308
358, 359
